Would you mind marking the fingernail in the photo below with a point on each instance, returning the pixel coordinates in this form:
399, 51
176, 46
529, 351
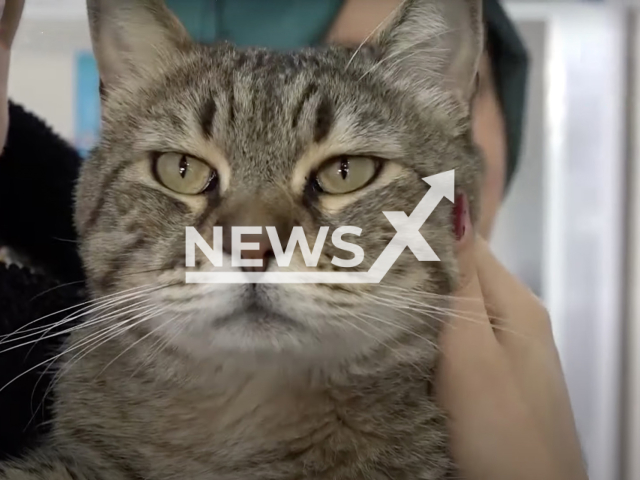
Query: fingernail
461, 221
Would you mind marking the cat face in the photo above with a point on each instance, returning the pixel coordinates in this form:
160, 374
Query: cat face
203, 136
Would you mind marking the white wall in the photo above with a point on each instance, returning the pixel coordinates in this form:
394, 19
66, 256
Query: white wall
44, 84
632, 370
584, 159
42, 75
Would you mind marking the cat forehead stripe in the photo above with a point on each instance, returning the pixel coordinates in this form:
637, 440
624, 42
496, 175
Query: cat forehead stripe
207, 115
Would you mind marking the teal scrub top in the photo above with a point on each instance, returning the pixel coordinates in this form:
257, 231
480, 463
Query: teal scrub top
279, 24
289, 24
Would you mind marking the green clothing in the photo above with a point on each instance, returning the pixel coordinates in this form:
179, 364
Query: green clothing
288, 24
280, 24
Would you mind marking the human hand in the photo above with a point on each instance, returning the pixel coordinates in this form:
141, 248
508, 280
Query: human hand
10, 14
500, 379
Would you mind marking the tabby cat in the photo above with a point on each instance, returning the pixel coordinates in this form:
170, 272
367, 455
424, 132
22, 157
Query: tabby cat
168, 380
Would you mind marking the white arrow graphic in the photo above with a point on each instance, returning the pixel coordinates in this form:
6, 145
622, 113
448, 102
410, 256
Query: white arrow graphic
407, 236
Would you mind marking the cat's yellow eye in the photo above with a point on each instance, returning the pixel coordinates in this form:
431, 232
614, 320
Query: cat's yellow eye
346, 174
183, 174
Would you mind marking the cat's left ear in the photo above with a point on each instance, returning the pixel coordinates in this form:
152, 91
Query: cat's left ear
133, 38
430, 43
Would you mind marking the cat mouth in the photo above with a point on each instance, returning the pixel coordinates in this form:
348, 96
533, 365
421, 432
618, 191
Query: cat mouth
254, 311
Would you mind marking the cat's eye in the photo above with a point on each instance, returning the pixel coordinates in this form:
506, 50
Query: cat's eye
346, 174
183, 174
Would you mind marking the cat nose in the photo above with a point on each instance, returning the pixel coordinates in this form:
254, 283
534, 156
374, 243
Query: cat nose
255, 212
261, 250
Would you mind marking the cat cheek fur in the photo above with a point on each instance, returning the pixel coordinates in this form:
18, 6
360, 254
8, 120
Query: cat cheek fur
165, 380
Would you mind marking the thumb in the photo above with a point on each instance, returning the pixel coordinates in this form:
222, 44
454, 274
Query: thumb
468, 333
468, 348
10, 14
9, 21
468, 296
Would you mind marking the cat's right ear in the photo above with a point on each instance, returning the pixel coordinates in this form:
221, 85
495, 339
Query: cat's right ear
434, 43
133, 38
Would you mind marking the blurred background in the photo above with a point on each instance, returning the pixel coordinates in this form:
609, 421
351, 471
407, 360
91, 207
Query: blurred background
569, 227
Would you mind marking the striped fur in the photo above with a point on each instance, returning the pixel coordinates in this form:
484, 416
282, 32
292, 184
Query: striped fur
270, 382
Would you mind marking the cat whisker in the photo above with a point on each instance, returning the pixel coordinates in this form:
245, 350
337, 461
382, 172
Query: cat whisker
57, 287
94, 336
119, 328
400, 58
132, 345
86, 324
142, 272
400, 327
97, 339
361, 330
83, 325
421, 293
399, 345
399, 55
404, 302
87, 305
452, 313
103, 320
373, 32
89, 310
407, 302
26, 372
161, 343
64, 321
65, 240
119, 313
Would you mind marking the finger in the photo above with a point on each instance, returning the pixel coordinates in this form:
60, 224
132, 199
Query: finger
525, 334
522, 325
474, 386
515, 308
470, 317
469, 350
10, 20
474, 382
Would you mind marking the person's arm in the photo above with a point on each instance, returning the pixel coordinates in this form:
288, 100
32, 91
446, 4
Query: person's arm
500, 378
38, 171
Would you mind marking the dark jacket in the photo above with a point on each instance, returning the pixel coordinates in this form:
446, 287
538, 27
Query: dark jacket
38, 171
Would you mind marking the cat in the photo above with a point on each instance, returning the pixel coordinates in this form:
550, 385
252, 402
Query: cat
167, 380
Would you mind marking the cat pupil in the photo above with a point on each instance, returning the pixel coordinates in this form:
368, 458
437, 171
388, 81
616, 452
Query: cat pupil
344, 169
183, 166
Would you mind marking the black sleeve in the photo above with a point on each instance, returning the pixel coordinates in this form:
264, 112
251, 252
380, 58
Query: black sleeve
26, 368
38, 171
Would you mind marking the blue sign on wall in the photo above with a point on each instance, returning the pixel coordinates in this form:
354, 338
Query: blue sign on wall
87, 108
